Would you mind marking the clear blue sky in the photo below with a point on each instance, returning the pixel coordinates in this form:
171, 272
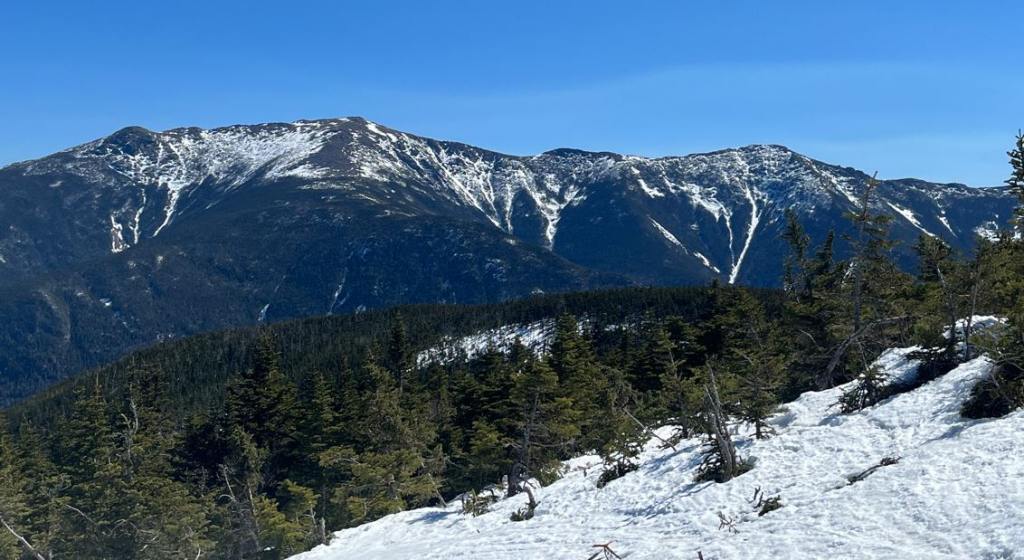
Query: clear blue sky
931, 89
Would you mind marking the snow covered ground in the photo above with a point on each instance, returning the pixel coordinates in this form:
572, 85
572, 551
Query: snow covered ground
956, 492
536, 336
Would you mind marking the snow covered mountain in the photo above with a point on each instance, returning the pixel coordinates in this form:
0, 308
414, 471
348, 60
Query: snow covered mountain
907, 478
710, 213
142, 236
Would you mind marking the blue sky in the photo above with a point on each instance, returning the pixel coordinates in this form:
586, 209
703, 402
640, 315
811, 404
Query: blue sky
930, 89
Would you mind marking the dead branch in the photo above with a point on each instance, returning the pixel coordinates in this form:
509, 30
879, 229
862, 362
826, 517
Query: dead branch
605, 550
24, 542
648, 430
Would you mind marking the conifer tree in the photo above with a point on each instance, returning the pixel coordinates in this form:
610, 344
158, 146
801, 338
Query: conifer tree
14, 507
1016, 180
874, 311
399, 358
755, 361
939, 278
721, 463
811, 308
581, 379
621, 436
545, 424
396, 462
263, 403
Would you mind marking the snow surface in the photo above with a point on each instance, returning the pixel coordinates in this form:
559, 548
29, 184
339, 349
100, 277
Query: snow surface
910, 217
536, 336
956, 492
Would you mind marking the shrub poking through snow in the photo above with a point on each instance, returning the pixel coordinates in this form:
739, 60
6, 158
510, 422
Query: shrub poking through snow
525, 513
727, 523
770, 504
604, 551
476, 504
764, 503
614, 471
999, 394
869, 389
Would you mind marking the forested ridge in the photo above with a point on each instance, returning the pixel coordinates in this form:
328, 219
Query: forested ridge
315, 425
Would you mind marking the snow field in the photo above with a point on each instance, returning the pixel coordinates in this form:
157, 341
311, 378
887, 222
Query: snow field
956, 492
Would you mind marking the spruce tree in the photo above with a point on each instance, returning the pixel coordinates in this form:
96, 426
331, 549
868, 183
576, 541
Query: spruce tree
1016, 180
545, 426
14, 507
263, 403
755, 362
582, 381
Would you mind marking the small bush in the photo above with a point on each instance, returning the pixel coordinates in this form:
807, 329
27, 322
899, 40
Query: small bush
770, 504
872, 389
869, 389
525, 513
711, 471
996, 396
476, 504
614, 471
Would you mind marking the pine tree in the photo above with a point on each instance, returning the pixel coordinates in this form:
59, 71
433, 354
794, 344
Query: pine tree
1016, 180
14, 508
755, 361
42, 486
545, 426
621, 435
721, 463
262, 402
811, 309
874, 311
939, 279
582, 380
396, 462
399, 358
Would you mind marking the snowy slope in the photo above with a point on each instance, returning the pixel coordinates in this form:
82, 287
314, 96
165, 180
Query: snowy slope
536, 336
957, 492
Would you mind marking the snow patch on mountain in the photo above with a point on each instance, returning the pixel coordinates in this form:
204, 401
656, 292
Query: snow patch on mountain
910, 217
953, 492
988, 230
707, 263
667, 234
536, 336
755, 219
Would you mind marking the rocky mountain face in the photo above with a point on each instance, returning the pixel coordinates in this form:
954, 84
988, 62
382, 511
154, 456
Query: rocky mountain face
143, 236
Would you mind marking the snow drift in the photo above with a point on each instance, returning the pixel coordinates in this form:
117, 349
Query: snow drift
957, 491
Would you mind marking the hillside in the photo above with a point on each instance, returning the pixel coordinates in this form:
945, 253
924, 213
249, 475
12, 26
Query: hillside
145, 236
954, 492
201, 365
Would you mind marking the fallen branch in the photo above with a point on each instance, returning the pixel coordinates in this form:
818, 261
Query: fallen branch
604, 549
885, 462
24, 542
648, 430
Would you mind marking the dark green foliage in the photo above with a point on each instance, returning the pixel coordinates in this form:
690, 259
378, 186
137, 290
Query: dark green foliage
1016, 180
615, 471
475, 503
769, 504
869, 389
1003, 391
998, 395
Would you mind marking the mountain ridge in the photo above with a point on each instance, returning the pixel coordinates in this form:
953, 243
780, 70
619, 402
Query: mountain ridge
140, 236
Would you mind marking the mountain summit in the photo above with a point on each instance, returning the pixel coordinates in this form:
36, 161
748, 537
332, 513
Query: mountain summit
142, 235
